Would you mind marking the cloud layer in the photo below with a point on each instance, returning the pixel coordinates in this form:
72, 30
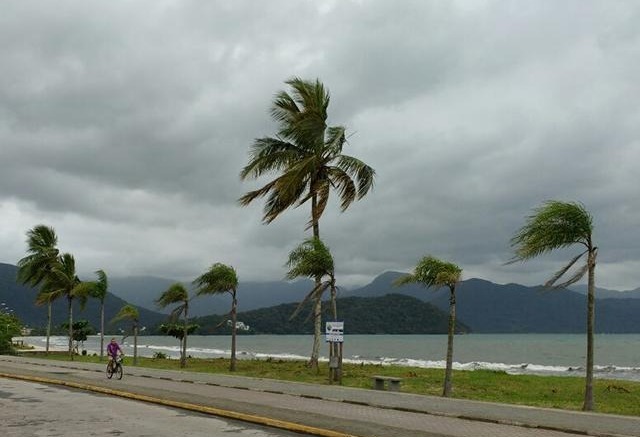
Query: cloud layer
125, 125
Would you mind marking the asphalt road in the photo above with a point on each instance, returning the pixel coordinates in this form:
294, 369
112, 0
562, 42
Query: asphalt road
330, 410
31, 409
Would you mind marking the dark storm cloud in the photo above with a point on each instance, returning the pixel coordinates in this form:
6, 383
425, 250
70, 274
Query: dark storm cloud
125, 126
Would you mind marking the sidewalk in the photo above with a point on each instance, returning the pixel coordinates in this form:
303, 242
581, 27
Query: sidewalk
539, 418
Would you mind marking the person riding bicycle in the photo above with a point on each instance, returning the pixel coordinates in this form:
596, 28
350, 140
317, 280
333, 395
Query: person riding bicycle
113, 350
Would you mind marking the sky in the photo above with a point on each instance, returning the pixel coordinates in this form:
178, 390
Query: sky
124, 126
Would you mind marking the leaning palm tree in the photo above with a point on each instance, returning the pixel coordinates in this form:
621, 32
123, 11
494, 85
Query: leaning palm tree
62, 281
312, 259
221, 278
98, 290
129, 312
42, 253
556, 225
432, 272
178, 294
44, 298
306, 155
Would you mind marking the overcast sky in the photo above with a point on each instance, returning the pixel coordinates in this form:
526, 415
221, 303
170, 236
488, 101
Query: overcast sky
124, 126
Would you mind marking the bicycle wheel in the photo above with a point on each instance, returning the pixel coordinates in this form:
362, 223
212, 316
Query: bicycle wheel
119, 371
109, 371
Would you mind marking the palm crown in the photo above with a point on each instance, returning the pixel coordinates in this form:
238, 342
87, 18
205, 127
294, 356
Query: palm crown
308, 155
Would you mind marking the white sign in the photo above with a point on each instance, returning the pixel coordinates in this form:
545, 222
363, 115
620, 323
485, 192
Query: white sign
334, 332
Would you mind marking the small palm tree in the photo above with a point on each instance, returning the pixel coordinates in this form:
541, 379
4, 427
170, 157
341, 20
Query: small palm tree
312, 259
44, 298
42, 253
307, 155
432, 272
98, 290
129, 312
221, 278
178, 294
62, 281
556, 225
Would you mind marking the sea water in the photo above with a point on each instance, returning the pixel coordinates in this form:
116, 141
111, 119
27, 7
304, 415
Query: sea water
617, 356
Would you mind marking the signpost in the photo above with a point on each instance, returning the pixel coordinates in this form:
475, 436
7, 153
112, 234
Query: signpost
334, 335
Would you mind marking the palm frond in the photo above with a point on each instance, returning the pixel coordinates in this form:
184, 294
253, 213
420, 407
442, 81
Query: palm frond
553, 225
557, 275
579, 274
315, 293
220, 278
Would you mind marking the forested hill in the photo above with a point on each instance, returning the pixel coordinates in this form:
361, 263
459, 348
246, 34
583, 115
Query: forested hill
21, 300
390, 314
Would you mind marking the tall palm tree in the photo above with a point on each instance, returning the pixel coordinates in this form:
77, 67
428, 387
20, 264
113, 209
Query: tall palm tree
42, 253
178, 294
307, 157
98, 290
62, 281
221, 278
432, 272
555, 225
129, 312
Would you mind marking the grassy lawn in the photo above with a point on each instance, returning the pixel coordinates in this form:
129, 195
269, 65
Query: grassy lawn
611, 396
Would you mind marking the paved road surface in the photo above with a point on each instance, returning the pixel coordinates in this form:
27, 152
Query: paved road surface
30, 409
352, 411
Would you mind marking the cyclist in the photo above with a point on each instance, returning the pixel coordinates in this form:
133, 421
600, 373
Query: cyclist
113, 350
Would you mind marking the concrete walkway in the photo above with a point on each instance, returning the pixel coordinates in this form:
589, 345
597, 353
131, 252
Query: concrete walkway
388, 412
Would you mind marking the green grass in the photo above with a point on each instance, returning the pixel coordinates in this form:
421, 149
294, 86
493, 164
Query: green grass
611, 396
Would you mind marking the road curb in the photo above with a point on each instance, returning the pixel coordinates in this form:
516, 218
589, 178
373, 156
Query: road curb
259, 420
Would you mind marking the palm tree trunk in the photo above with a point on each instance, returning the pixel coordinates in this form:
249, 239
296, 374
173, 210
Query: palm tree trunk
588, 392
452, 324
71, 328
48, 326
183, 354
135, 344
317, 310
102, 330
234, 317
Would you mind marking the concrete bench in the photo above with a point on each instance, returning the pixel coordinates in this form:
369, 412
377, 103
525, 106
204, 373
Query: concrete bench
379, 382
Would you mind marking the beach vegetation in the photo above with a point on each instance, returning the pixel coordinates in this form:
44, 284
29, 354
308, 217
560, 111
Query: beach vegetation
557, 225
36, 265
306, 154
130, 313
434, 273
221, 278
178, 295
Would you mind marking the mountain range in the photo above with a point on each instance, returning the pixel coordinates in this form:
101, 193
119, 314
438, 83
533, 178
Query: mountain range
482, 306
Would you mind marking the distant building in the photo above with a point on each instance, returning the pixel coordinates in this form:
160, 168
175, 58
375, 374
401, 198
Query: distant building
239, 325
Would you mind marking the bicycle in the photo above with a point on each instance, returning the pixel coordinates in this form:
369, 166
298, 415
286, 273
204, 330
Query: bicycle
115, 367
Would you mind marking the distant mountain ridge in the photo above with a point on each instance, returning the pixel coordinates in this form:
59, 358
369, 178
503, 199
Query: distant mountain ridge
21, 299
485, 307
389, 314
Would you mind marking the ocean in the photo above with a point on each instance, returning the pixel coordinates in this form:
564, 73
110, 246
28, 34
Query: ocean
617, 356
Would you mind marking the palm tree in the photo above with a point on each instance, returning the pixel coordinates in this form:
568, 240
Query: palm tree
178, 294
555, 225
312, 259
307, 156
37, 264
62, 281
41, 299
129, 312
432, 272
221, 278
98, 290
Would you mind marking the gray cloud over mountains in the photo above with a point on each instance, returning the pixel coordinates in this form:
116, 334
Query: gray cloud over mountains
125, 125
